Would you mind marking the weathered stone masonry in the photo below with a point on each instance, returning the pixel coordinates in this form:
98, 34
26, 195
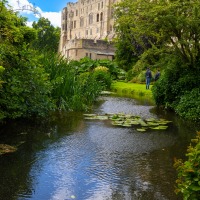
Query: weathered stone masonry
87, 29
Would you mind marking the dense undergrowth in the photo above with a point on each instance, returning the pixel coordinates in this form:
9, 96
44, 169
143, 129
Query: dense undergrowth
34, 79
188, 182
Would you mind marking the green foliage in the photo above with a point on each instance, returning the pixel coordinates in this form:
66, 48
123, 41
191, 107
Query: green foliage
47, 36
25, 91
103, 78
72, 90
188, 182
34, 82
88, 65
176, 80
156, 24
165, 35
189, 105
13, 29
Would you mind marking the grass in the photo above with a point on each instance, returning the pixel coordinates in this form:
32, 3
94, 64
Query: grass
134, 90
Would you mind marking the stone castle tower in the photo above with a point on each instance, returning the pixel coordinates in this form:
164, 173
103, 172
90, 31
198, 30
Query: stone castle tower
87, 29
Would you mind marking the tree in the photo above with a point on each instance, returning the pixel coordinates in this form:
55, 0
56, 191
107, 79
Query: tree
47, 35
25, 87
169, 26
169, 33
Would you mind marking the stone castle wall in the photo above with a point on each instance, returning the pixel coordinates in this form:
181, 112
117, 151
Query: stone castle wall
88, 21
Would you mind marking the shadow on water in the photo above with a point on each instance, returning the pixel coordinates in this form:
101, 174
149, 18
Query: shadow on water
68, 157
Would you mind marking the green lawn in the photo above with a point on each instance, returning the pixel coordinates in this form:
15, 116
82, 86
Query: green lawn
134, 90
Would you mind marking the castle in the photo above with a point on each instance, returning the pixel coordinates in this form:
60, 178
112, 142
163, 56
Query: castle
87, 30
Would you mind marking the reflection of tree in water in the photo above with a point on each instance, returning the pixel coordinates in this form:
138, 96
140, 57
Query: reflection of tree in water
32, 138
155, 176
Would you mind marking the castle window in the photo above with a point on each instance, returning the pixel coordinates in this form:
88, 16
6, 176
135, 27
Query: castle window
97, 30
86, 54
98, 17
74, 24
76, 12
71, 14
102, 4
90, 18
81, 22
86, 32
98, 6
90, 31
71, 25
101, 16
76, 52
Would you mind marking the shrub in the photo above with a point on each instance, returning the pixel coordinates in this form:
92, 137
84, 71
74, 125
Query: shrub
188, 182
176, 80
189, 105
103, 78
101, 68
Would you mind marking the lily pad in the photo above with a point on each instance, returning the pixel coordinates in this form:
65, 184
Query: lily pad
128, 120
135, 123
117, 123
101, 117
142, 123
150, 119
89, 115
126, 125
153, 124
160, 128
141, 129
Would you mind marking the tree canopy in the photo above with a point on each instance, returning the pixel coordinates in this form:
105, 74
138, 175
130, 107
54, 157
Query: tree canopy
47, 35
167, 26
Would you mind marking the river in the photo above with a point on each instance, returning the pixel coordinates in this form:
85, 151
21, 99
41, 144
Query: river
68, 157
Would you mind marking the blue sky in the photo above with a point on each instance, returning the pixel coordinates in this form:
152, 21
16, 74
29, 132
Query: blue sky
50, 9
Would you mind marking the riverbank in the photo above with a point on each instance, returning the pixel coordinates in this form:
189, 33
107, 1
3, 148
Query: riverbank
132, 90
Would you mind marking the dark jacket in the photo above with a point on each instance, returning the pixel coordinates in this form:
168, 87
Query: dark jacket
148, 74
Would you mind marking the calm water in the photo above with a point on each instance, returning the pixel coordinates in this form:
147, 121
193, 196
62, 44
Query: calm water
68, 157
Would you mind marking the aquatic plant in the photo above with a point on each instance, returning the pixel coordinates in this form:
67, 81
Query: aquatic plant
128, 120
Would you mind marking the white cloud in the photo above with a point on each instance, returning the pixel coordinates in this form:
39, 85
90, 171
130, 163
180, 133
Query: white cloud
29, 23
53, 17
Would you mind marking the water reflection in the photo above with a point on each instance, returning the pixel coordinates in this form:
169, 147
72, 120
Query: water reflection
67, 157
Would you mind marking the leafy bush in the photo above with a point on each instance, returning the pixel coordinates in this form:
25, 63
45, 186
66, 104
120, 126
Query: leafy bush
103, 78
72, 90
188, 182
26, 89
101, 68
189, 105
174, 82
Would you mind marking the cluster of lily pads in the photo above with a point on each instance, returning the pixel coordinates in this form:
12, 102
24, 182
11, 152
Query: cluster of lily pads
128, 120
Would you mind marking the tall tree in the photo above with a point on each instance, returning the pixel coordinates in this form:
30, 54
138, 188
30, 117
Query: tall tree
24, 84
47, 35
168, 25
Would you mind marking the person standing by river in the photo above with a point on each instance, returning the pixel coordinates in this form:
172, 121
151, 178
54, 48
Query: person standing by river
148, 76
157, 76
